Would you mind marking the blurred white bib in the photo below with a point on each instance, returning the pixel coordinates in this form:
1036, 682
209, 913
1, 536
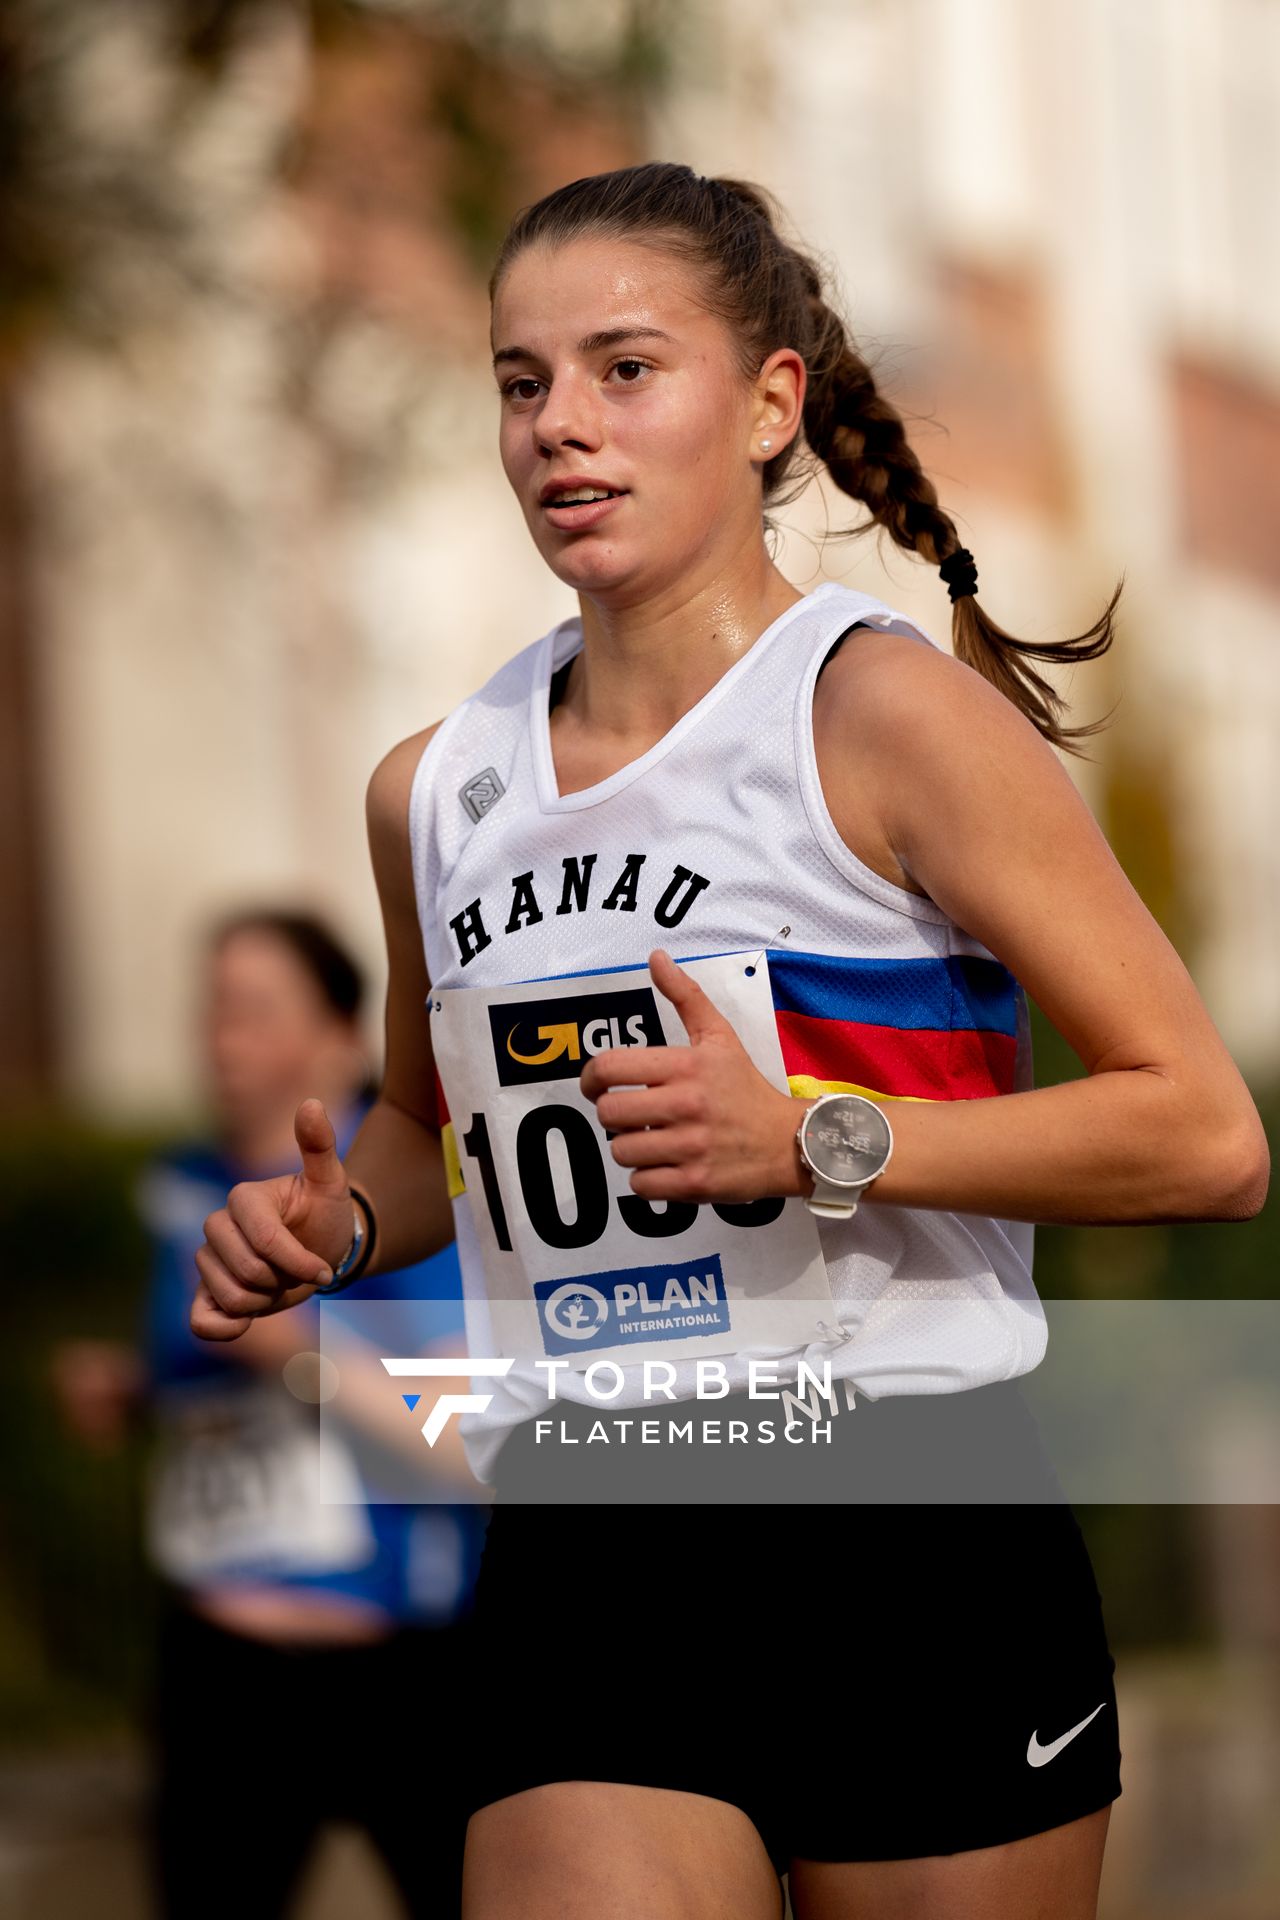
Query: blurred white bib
246, 1483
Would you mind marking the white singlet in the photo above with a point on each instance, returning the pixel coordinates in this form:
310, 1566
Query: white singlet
710, 843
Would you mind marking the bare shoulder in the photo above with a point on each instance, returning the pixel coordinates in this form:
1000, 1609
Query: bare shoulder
866, 708
387, 827
387, 795
881, 685
408, 1068
904, 734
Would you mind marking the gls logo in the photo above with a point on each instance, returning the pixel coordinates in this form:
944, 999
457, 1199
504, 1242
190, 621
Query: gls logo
537, 1040
419, 1369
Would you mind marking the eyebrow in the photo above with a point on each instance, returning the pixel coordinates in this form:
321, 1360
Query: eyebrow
590, 343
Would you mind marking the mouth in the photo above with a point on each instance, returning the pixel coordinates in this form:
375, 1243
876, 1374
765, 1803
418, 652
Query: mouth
573, 508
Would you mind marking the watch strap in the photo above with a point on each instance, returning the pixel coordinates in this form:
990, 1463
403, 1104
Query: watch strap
829, 1201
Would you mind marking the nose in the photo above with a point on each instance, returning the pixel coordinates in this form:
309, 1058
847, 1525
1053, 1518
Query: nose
569, 418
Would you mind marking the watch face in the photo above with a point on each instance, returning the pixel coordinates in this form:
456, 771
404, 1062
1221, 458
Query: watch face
848, 1139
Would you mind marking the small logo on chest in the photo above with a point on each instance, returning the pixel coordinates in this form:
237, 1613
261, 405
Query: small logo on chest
481, 792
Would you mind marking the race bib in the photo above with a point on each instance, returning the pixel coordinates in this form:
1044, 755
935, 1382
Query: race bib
244, 1483
577, 1266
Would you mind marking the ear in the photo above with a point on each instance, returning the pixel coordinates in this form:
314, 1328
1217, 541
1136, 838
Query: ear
777, 403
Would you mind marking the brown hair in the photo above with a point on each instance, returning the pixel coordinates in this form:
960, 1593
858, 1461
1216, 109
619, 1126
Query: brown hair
335, 971
771, 294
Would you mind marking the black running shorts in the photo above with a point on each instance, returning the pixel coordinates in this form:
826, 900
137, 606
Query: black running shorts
896, 1670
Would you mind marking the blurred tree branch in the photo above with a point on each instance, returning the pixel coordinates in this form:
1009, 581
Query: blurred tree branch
151, 155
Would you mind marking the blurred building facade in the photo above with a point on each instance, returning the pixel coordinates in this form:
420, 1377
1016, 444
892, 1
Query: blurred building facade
1058, 224
268, 531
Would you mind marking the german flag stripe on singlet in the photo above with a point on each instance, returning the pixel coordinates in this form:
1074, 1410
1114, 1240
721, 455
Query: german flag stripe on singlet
929, 1029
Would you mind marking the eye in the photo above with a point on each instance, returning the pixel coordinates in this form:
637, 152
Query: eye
523, 387
631, 372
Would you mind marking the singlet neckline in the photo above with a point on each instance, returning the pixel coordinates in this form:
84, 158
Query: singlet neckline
563, 643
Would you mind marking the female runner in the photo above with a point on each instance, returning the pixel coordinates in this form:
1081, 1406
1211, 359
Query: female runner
866, 853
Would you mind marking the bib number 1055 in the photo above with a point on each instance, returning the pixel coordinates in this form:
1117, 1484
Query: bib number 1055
593, 1202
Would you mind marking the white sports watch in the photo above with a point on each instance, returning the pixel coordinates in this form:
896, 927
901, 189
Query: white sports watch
845, 1141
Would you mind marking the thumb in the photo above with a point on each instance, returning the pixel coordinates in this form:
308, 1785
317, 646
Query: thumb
698, 1014
317, 1143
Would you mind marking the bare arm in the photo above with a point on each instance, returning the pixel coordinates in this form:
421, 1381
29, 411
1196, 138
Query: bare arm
396, 1157
275, 1240
981, 815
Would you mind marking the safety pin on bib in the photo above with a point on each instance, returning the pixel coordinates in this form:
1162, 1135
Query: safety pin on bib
756, 958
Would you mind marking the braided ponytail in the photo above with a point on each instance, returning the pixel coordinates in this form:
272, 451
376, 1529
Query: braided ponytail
771, 295
861, 440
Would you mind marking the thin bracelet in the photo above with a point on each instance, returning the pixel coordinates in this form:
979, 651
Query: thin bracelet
368, 1240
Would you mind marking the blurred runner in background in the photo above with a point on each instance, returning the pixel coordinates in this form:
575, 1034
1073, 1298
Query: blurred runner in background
294, 1627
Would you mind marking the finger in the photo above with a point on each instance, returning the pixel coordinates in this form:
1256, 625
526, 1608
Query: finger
226, 1292
257, 1215
627, 1110
690, 1182
632, 1067
228, 1243
699, 1015
209, 1322
671, 1147
317, 1143
291, 1297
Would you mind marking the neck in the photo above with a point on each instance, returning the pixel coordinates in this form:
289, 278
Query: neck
646, 663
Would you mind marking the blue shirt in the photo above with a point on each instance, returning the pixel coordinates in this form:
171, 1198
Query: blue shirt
227, 1428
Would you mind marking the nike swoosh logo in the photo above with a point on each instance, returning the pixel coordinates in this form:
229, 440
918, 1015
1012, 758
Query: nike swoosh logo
1038, 1756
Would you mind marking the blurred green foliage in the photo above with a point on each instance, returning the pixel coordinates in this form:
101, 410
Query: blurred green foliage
491, 49
76, 1601
71, 204
1212, 1260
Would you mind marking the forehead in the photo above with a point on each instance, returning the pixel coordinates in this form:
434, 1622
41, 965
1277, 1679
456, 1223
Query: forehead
257, 954
551, 295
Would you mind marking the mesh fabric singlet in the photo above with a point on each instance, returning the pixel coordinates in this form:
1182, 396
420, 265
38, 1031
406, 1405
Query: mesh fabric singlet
709, 843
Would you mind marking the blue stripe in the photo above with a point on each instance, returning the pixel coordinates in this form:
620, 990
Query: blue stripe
631, 966
931, 995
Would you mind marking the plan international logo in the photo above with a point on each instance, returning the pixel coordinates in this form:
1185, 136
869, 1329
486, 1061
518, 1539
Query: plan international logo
537, 1040
675, 1302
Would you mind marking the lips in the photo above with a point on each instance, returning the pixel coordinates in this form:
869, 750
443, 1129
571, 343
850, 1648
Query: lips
572, 505
575, 483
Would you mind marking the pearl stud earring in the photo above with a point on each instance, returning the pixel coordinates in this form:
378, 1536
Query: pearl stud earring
765, 445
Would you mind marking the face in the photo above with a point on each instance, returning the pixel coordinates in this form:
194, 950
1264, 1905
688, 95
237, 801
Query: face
614, 379
270, 1036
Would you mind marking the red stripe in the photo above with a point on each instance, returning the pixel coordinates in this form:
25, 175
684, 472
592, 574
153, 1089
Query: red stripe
442, 1105
919, 1063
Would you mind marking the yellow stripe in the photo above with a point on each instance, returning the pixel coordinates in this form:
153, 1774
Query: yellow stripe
452, 1164
805, 1087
